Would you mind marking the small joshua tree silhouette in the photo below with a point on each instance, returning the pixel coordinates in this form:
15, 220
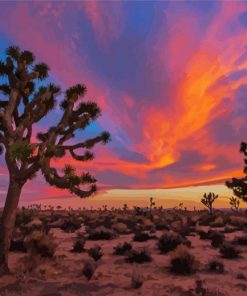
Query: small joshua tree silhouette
208, 200
151, 203
235, 203
125, 207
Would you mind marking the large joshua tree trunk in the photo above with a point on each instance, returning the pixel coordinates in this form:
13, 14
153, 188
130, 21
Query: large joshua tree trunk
8, 222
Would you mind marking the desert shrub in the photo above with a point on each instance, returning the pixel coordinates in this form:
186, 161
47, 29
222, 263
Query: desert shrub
205, 219
17, 242
241, 276
228, 229
194, 219
229, 251
238, 221
182, 261
101, 233
41, 243
23, 217
70, 225
147, 224
216, 237
240, 240
202, 234
120, 228
161, 225
137, 280
78, 246
139, 256
141, 236
95, 252
218, 222
122, 249
170, 240
89, 269
215, 266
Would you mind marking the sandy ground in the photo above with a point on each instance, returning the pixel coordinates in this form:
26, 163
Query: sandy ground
62, 275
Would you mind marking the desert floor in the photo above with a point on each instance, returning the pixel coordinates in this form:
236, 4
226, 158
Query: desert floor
62, 274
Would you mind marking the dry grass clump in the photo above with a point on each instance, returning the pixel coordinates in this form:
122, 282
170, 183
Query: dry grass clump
137, 279
41, 243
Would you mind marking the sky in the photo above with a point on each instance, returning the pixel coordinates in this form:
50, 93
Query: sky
170, 78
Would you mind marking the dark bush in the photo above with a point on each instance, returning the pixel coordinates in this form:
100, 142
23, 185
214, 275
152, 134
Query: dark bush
170, 240
228, 229
89, 269
139, 256
229, 251
78, 246
216, 266
24, 217
203, 234
95, 252
17, 242
136, 280
70, 225
102, 233
182, 261
122, 249
217, 238
141, 236
241, 240
161, 226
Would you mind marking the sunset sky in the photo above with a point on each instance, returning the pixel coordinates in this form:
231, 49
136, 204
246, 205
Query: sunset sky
170, 78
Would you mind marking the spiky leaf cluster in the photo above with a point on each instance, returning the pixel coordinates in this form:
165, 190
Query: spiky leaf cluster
20, 151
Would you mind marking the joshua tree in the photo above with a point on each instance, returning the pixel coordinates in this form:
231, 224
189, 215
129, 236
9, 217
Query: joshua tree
208, 200
234, 202
239, 186
125, 207
24, 104
151, 203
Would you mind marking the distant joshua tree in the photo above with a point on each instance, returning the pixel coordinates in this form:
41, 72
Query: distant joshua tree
239, 186
125, 208
208, 200
25, 104
235, 203
151, 203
